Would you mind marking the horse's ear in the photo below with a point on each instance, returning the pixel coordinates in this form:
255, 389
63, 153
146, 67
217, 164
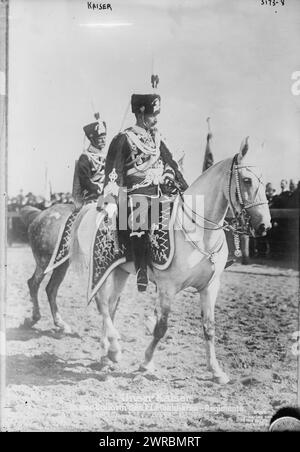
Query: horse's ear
244, 148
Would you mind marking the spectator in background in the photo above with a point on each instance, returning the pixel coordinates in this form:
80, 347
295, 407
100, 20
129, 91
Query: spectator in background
40, 202
294, 201
63, 198
261, 244
15, 203
54, 198
68, 198
292, 186
270, 193
30, 199
20, 199
280, 226
12, 205
281, 201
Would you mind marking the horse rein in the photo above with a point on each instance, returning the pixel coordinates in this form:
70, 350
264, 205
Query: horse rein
241, 220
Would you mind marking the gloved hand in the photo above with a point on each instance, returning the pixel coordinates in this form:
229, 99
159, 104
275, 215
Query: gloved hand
169, 187
169, 180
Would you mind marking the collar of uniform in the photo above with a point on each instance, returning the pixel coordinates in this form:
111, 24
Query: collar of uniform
140, 130
156, 135
96, 152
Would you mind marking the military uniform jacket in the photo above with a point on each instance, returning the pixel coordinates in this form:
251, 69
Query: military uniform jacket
91, 173
139, 161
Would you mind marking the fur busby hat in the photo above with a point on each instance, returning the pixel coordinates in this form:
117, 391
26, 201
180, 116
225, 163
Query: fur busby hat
145, 103
95, 129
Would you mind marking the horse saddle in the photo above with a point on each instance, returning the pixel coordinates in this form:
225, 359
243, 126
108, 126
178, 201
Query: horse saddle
111, 248
61, 251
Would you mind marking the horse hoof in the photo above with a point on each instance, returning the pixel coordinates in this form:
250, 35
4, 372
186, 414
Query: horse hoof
67, 329
222, 379
64, 328
104, 363
114, 355
147, 367
30, 321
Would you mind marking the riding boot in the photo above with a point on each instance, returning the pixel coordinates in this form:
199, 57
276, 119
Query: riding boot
139, 248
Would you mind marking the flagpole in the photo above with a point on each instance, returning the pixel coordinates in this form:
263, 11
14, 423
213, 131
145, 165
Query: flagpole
208, 157
46, 182
208, 125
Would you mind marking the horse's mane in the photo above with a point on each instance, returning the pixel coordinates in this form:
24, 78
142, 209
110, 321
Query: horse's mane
209, 170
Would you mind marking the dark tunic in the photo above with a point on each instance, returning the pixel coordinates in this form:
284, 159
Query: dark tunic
282, 200
87, 174
119, 159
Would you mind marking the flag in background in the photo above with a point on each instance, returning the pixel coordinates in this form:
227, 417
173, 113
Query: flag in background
208, 157
180, 161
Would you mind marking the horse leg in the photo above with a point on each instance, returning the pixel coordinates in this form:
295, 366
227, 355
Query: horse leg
112, 310
208, 298
159, 329
107, 300
55, 281
33, 285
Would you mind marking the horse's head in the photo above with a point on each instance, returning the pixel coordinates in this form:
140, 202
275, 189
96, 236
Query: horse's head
247, 196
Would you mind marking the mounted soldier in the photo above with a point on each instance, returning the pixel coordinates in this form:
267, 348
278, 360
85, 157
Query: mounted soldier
139, 160
89, 172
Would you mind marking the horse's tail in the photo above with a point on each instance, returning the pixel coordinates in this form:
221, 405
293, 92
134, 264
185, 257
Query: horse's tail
28, 214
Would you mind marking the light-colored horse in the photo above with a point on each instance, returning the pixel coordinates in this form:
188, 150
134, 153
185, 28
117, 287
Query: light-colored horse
43, 231
197, 263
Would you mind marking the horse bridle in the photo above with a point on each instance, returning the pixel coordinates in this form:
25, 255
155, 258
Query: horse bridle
242, 218
240, 224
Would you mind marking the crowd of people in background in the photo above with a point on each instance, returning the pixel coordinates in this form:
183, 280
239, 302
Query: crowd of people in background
281, 241
288, 198
16, 203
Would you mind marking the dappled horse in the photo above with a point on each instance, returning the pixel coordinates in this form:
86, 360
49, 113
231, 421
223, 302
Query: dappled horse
199, 259
43, 231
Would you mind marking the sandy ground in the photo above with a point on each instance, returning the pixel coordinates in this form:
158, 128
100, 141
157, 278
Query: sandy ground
56, 382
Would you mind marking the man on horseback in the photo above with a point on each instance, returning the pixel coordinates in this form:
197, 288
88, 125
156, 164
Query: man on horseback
139, 160
90, 166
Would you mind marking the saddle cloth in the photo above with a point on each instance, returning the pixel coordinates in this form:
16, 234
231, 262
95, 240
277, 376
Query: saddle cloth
111, 249
62, 248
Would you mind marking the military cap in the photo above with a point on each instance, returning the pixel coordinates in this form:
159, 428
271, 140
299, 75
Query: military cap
95, 129
145, 103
